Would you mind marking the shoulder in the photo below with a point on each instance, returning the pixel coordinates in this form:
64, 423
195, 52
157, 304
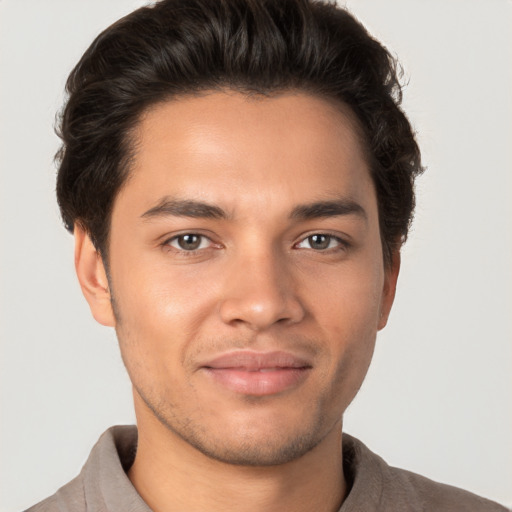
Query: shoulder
380, 487
436, 496
69, 498
102, 479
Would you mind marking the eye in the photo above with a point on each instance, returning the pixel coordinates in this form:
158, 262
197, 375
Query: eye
320, 242
189, 242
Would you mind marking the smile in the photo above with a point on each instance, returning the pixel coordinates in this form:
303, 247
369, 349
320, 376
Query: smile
258, 374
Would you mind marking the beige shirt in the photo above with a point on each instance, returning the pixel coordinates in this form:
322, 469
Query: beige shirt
102, 485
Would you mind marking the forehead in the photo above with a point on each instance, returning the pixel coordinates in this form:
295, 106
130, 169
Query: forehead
231, 148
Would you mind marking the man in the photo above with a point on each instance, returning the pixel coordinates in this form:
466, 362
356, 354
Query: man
239, 180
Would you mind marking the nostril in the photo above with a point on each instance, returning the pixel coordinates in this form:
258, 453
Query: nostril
258, 314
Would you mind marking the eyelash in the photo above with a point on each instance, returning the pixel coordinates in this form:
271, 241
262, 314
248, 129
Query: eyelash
185, 252
341, 244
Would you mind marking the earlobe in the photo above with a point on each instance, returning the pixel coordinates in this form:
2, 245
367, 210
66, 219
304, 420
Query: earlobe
93, 278
389, 289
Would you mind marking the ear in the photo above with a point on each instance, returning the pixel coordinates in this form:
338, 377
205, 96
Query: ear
93, 278
389, 289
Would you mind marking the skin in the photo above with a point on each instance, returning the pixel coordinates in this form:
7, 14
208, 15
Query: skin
256, 282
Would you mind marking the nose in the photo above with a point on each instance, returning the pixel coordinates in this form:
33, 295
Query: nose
259, 293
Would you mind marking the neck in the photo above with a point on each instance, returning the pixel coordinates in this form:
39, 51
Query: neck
169, 474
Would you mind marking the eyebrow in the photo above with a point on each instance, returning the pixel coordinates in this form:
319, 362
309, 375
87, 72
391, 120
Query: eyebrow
185, 208
201, 210
322, 209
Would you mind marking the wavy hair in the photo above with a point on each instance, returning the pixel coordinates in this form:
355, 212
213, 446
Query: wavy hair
177, 47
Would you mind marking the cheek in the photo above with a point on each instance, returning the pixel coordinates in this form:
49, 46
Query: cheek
160, 313
349, 301
154, 289
348, 313
352, 339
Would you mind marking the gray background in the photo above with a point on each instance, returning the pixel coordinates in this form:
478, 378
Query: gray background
438, 396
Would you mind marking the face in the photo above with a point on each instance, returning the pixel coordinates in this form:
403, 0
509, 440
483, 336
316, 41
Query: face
246, 273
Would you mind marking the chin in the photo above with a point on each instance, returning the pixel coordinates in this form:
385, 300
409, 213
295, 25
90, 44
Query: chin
264, 450
258, 440
258, 433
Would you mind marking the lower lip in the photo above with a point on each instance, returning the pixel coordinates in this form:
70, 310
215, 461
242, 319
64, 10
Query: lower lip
258, 383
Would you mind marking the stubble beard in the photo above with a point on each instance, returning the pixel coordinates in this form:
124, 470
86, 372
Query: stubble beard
276, 450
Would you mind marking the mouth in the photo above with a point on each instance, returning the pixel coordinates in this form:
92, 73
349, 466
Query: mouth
258, 374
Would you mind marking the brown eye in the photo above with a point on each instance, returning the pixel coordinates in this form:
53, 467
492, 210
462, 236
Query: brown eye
189, 242
319, 242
